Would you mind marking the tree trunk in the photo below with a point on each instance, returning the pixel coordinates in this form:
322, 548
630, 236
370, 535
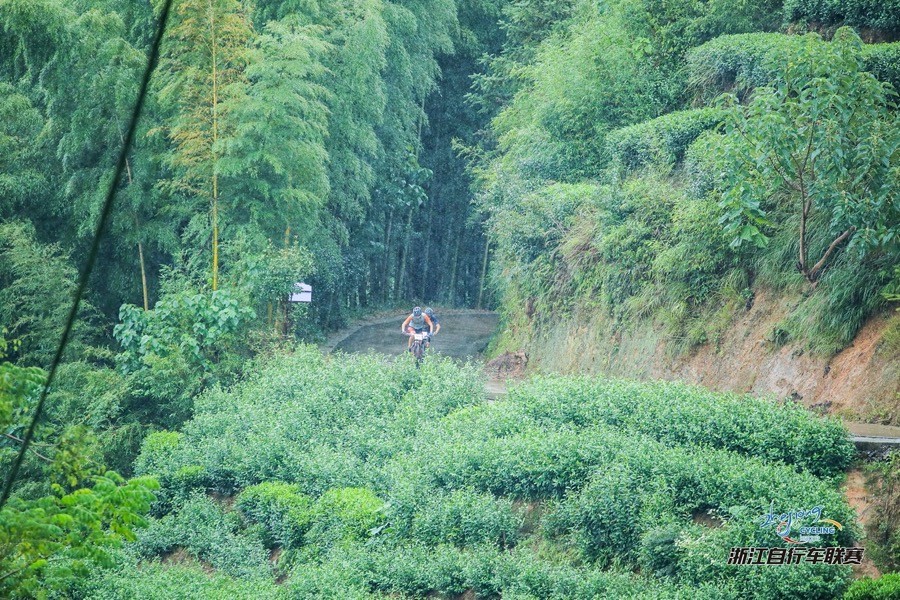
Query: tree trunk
453, 268
385, 287
143, 276
427, 254
484, 264
215, 177
813, 275
140, 245
401, 273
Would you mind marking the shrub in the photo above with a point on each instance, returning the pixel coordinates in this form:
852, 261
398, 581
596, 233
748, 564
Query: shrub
466, 518
750, 60
648, 485
605, 516
703, 559
157, 452
660, 141
875, 14
883, 61
533, 464
207, 533
745, 61
380, 483
175, 582
886, 587
285, 512
417, 571
883, 481
345, 514
684, 414
314, 421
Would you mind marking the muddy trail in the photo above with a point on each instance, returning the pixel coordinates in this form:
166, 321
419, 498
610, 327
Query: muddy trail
464, 335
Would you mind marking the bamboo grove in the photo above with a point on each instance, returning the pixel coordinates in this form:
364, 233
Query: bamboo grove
312, 139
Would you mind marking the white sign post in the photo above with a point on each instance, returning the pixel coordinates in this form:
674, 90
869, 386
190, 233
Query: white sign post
302, 293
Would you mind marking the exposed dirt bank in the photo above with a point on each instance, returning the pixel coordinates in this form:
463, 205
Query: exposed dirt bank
862, 382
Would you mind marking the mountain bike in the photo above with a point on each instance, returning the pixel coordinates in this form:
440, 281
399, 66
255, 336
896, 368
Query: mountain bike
417, 348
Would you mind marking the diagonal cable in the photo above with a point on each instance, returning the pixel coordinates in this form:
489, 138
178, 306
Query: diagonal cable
95, 247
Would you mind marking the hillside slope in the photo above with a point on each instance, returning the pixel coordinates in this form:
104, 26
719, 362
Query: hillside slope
861, 382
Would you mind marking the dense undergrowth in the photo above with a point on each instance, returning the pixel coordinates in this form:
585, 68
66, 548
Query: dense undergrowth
357, 477
656, 165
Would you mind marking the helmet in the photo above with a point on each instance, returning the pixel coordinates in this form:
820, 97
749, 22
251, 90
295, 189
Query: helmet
417, 311
428, 311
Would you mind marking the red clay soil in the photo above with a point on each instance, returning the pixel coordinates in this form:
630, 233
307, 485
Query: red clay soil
860, 383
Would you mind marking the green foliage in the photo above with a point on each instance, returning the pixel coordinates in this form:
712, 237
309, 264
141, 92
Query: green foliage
657, 249
17, 385
48, 542
875, 14
346, 514
746, 61
883, 588
20, 176
662, 141
285, 512
175, 582
314, 421
203, 530
821, 140
465, 518
198, 327
883, 480
187, 342
36, 285
676, 413
883, 61
376, 478
416, 571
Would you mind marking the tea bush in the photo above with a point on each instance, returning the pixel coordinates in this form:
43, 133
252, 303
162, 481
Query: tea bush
414, 570
660, 141
174, 582
648, 484
313, 421
703, 558
875, 14
285, 512
345, 514
204, 531
377, 480
465, 518
886, 587
681, 414
750, 60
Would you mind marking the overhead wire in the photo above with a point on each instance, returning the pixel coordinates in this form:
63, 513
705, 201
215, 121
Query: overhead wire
105, 213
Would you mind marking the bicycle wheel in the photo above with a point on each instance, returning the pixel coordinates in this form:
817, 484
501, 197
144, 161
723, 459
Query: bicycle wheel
418, 351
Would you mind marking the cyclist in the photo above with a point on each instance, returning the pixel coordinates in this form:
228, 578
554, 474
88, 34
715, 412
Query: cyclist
429, 312
416, 323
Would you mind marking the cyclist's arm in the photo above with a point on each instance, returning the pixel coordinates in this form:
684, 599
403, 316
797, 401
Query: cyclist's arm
405, 323
437, 329
430, 324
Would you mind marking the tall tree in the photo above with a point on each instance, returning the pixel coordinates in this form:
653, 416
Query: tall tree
203, 70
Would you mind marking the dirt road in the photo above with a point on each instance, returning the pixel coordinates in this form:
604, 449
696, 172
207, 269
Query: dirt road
464, 334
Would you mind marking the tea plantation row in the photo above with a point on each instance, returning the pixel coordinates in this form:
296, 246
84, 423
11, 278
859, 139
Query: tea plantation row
357, 477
